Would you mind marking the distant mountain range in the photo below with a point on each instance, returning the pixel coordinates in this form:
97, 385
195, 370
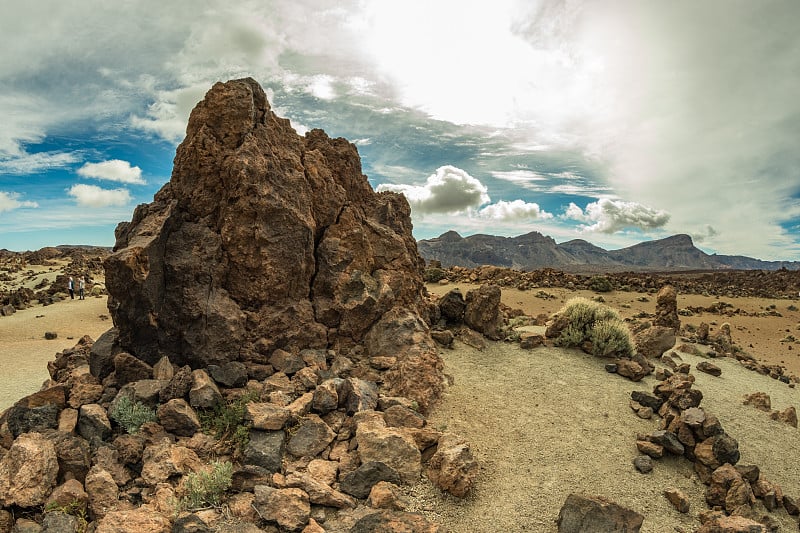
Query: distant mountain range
534, 250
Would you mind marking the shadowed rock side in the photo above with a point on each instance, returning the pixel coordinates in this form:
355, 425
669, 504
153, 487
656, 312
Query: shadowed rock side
263, 240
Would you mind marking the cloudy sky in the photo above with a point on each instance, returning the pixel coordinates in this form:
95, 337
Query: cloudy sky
614, 121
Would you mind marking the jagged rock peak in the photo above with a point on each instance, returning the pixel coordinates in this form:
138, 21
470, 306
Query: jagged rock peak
262, 239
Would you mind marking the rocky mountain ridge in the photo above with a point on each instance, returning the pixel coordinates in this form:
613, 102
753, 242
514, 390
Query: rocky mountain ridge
534, 250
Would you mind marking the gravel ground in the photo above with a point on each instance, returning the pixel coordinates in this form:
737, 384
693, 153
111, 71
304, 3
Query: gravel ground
549, 422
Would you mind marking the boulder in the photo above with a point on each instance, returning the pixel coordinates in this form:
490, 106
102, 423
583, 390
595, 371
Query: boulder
28, 471
652, 342
93, 422
141, 520
289, 508
709, 368
266, 416
453, 468
360, 481
229, 374
391, 446
164, 460
178, 417
667, 308
678, 499
102, 491
262, 240
265, 449
595, 514
482, 311
418, 373
452, 306
128, 368
358, 395
313, 436
204, 393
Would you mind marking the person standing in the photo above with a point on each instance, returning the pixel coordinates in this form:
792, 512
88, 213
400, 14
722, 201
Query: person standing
82, 287
71, 287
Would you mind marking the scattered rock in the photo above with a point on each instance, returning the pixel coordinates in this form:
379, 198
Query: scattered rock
583, 514
708, 368
28, 471
453, 468
482, 311
643, 464
678, 499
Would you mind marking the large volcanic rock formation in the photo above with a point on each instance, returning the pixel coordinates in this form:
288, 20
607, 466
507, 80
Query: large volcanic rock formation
263, 240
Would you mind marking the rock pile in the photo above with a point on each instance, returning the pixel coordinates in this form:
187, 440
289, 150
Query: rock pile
754, 283
321, 448
736, 492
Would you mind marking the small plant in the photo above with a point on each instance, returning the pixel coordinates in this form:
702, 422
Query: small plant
226, 421
601, 284
586, 320
205, 488
611, 338
433, 275
73, 508
131, 415
791, 307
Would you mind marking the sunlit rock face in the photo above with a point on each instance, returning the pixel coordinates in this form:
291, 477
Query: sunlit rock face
262, 239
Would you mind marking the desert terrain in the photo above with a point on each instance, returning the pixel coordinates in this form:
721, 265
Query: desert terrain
543, 423
548, 422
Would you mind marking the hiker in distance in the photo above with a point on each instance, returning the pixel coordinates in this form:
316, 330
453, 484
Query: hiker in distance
71, 287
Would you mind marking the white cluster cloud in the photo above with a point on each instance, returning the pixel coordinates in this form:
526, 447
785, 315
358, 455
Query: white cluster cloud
94, 196
113, 170
609, 216
516, 210
448, 190
10, 200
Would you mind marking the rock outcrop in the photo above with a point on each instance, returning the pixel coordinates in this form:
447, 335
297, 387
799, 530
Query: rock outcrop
265, 240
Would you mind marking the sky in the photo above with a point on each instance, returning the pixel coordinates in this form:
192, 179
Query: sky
612, 121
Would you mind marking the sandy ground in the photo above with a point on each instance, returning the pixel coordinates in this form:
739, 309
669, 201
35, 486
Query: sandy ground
760, 336
549, 422
24, 352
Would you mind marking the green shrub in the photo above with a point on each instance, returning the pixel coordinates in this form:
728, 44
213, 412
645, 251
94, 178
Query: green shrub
226, 421
433, 275
131, 415
205, 488
587, 320
601, 284
611, 338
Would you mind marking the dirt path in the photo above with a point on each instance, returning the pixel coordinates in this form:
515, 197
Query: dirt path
549, 422
24, 352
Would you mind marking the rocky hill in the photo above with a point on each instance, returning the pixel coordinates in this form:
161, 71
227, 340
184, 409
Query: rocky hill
534, 250
271, 351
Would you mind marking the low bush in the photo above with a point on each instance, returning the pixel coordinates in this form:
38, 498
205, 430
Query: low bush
205, 488
226, 421
611, 338
586, 320
132, 414
433, 275
601, 284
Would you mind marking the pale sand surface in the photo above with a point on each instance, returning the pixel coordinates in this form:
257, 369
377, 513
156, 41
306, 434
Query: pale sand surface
24, 352
549, 422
